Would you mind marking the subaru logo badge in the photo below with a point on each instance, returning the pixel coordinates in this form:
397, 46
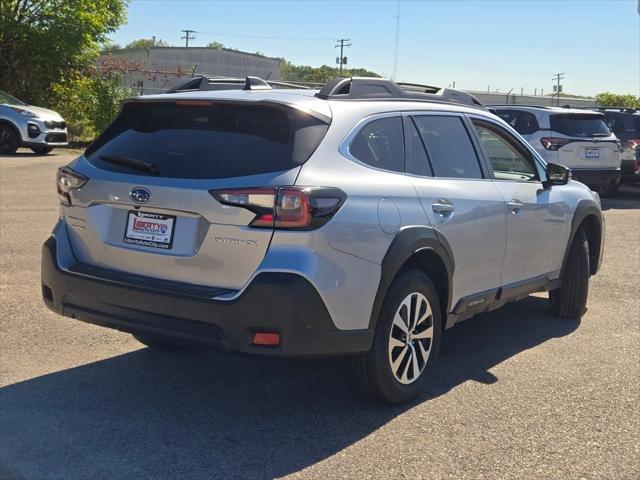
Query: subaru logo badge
140, 195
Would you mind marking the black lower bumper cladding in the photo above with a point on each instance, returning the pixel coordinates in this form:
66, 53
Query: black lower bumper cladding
285, 303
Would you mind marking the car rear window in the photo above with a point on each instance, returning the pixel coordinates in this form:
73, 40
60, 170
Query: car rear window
580, 125
206, 140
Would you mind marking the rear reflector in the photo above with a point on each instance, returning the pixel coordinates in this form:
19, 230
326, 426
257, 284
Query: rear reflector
268, 339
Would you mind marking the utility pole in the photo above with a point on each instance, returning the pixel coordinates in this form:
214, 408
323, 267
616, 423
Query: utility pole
558, 87
342, 43
395, 58
187, 36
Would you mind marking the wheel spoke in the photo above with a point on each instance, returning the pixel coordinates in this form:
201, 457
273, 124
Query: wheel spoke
405, 378
426, 333
398, 321
427, 314
414, 362
396, 363
395, 343
424, 353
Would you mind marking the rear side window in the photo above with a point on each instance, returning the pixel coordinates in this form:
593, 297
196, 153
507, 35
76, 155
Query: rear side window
206, 140
579, 125
380, 143
448, 146
615, 123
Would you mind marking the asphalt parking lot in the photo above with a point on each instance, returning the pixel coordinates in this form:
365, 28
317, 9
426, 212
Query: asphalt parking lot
517, 393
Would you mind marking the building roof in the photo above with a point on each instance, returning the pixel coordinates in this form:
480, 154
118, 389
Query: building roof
230, 50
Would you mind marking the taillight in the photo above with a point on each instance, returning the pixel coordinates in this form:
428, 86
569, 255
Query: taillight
553, 143
67, 180
634, 143
289, 208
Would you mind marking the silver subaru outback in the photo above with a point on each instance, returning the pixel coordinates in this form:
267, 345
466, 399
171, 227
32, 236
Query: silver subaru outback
362, 219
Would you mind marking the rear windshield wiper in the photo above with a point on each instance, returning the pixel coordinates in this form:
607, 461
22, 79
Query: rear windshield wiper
130, 162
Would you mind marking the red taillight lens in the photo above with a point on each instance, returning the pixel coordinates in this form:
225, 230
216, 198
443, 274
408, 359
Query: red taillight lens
67, 180
267, 339
553, 143
634, 143
288, 207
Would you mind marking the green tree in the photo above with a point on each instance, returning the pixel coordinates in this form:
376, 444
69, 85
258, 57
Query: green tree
304, 73
217, 45
44, 41
147, 43
608, 99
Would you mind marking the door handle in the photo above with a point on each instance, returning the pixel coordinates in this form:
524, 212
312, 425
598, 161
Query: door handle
443, 208
515, 206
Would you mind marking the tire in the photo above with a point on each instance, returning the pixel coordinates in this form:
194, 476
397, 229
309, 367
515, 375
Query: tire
570, 300
156, 343
376, 376
610, 189
9, 140
42, 150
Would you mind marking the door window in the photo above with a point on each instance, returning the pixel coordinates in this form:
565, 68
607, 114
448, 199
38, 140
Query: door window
449, 147
509, 160
417, 160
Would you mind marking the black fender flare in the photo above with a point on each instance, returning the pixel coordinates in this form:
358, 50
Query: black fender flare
585, 208
407, 242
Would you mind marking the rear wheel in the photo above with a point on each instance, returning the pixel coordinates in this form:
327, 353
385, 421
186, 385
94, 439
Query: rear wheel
157, 343
406, 342
570, 300
9, 140
42, 150
609, 189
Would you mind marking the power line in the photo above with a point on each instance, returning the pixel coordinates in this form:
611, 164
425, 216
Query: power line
263, 37
342, 60
187, 36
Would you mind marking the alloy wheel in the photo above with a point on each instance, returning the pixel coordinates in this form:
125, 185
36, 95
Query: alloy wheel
410, 338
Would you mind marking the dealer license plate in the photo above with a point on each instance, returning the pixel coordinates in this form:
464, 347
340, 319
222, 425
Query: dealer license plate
149, 229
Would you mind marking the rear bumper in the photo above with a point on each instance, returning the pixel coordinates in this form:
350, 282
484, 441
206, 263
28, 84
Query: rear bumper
596, 176
274, 302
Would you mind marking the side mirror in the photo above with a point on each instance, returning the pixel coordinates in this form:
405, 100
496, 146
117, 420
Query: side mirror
556, 175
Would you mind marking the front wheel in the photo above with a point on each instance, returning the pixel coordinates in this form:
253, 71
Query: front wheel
570, 300
406, 342
41, 150
9, 140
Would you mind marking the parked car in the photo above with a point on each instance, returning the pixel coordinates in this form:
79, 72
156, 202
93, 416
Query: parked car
625, 123
23, 125
579, 139
363, 219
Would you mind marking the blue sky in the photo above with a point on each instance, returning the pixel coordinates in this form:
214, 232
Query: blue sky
502, 44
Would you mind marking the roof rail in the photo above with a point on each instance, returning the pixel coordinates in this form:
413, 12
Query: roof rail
369, 88
205, 82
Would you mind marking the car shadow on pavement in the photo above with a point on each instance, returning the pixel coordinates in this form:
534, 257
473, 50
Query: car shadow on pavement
202, 414
627, 198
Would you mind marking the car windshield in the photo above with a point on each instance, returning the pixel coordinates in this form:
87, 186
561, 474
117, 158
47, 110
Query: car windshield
580, 125
9, 99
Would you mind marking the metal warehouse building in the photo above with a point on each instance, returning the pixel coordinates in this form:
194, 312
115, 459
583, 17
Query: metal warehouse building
151, 70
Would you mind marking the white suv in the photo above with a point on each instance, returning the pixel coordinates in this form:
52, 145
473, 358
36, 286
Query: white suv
579, 139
